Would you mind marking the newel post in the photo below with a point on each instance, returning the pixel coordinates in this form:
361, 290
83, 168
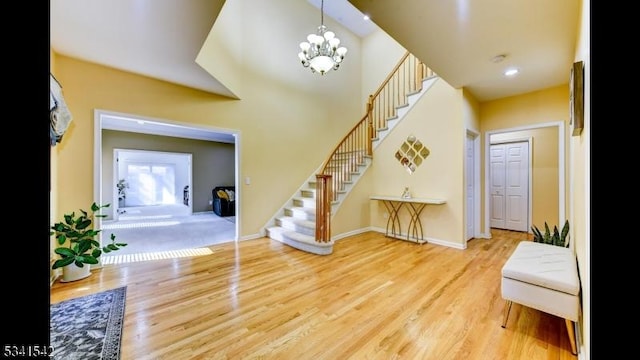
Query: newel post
370, 130
323, 207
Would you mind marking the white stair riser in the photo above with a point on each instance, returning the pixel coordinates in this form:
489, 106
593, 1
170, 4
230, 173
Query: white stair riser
305, 202
300, 214
290, 225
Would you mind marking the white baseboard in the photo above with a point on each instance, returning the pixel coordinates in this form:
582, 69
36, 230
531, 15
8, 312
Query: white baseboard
430, 240
350, 233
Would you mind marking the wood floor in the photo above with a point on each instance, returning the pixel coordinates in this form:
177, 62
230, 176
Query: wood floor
373, 298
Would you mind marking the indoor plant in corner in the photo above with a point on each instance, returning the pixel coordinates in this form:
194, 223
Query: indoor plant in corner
557, 238
77, 244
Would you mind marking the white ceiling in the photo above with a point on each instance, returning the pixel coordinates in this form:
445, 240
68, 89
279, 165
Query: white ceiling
456, 38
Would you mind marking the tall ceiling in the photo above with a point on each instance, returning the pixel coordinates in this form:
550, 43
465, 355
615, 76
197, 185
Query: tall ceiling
458, 39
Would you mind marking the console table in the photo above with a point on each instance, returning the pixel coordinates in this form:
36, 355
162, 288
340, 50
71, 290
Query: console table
415, 206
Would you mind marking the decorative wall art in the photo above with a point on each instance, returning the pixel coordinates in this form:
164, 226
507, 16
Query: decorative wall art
59, 114
576, 98
411, 154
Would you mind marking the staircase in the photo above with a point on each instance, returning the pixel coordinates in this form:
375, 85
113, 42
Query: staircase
296, 223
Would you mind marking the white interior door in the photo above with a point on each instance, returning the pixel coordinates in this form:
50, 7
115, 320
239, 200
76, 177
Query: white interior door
470, 184
510, 186
497, 163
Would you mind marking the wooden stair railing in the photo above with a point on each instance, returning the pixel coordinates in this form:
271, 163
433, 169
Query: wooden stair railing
405, 79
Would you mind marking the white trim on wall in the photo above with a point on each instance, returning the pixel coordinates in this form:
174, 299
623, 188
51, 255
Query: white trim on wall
561, 170
477, 200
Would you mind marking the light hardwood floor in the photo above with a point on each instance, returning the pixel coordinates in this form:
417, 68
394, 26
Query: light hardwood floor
373, 298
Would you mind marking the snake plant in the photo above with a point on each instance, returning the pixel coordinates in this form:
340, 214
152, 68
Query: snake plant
557, 238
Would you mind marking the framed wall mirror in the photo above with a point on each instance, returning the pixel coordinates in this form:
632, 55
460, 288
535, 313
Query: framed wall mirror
576, 98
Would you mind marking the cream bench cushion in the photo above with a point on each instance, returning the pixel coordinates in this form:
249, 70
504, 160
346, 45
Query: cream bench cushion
543, 277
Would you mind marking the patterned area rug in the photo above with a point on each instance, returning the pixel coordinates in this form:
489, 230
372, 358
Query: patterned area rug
88, 327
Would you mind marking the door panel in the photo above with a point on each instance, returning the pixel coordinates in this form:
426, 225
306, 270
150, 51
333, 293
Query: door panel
470, 182
498, 175
510, 185
517, 177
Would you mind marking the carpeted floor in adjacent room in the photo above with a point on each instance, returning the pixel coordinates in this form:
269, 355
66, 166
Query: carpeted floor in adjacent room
157, 233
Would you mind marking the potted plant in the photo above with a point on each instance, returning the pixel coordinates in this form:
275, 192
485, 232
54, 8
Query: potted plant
122, 193
557, 238
77, 244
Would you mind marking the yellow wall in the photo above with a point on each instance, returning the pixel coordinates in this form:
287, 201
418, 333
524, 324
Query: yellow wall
536, 108
471, 112
281, 145
544, 172
53, 193
376, 68
580, 186
437, 121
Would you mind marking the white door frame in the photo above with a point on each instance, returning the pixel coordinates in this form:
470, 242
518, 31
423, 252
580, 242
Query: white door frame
97, 158
476, 179
561, 168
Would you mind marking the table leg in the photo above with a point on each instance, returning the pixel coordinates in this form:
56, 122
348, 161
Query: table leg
393, 220
415, 225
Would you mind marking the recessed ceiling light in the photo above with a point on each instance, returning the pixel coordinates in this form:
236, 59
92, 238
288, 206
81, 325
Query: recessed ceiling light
366, 17
511, 72
498, 58
140, 122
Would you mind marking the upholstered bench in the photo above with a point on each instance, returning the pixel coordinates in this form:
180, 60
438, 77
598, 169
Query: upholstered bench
543, 277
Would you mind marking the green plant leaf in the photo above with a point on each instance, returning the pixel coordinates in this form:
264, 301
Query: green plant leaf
96, 253
61, 239
112, 247
556, 236
62, 262
84, 246
565, 232
87, 259
65, 252
537, 235
83, 224
95, 207
68, 218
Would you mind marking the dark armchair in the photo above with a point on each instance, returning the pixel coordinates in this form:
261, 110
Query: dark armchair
224, 200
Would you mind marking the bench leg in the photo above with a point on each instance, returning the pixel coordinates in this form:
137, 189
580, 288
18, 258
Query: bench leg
572, 336
505, 315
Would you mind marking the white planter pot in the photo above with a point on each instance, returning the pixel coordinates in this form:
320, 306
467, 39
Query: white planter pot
72, 272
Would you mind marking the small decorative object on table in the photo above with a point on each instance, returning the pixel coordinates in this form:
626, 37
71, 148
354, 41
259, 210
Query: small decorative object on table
406, 194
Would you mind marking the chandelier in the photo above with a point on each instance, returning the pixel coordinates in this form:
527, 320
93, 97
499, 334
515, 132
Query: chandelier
321, 52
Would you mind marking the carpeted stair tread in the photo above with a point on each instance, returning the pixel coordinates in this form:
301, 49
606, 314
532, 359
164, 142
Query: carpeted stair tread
304, 213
